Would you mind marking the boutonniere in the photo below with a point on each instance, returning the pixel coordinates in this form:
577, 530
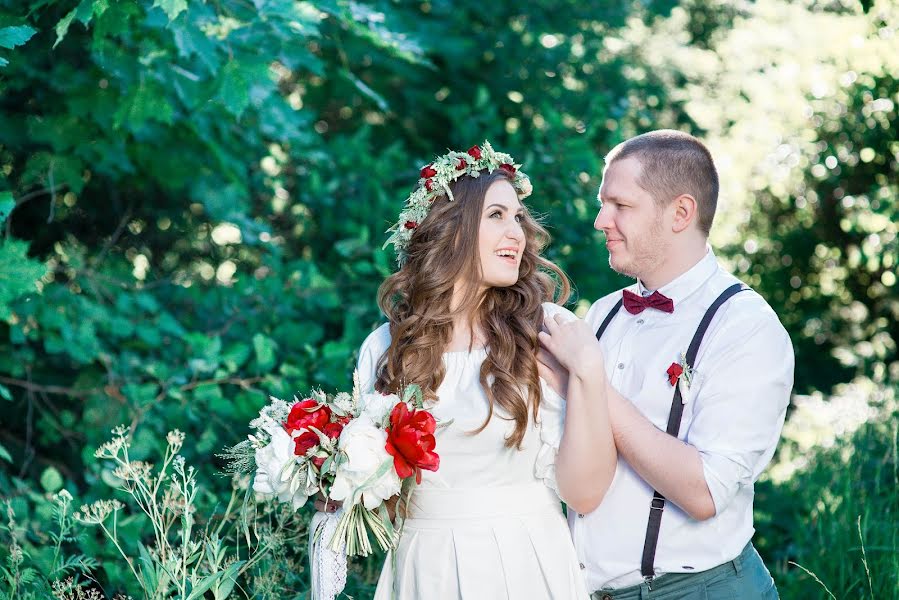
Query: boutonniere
681, 374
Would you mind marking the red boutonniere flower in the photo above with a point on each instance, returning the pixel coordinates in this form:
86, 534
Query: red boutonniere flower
507, 168
475, 152
674, 373
428, 171
305, 414
410, 225
681, 374
429, 185
462, 164
410, 441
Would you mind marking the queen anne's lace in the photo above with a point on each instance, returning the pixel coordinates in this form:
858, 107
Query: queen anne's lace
329, 567
434, 182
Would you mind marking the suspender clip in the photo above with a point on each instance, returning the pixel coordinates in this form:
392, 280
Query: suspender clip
657, 504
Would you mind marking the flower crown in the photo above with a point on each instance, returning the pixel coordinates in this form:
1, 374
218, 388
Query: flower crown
434, 182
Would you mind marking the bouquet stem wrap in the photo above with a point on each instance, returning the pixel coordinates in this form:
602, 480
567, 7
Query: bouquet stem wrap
328, 564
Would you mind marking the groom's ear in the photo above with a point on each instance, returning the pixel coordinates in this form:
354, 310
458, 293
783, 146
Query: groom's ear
684, 207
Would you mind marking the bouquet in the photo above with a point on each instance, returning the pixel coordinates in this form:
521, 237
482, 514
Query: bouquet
358, 449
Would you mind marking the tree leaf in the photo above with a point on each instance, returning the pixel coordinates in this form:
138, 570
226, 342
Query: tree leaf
265, 351
146, 102
234, 90
62, 28
10, 37
172, 8
18, 273
84, 12
7, 203
4, 454
51, 480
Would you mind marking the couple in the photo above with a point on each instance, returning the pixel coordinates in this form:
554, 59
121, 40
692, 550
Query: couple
650, 419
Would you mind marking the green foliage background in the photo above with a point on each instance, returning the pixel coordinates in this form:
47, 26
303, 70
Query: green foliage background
194, 197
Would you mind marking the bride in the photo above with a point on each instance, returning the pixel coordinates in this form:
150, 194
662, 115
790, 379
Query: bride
464, 312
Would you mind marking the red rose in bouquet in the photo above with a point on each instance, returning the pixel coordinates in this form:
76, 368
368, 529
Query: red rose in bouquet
305, 441
410, 441
332, 430
307, 413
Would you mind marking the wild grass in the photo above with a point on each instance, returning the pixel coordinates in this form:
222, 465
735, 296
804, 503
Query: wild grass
831, 530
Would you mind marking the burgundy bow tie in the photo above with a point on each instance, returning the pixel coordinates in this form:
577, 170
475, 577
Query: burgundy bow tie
636, 304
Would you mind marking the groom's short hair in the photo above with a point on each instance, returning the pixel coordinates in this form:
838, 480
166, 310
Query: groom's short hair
673, 163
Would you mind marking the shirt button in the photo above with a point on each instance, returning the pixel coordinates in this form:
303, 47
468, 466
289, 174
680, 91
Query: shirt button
640, 321
620, 365
582, 566
580, 516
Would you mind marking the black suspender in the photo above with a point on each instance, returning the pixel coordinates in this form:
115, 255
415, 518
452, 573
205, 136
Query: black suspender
608, 319
657, 505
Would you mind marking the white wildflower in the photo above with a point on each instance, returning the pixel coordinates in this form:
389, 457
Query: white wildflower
96, 513
175, 440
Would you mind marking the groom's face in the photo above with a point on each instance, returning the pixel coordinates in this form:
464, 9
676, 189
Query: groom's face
631, 220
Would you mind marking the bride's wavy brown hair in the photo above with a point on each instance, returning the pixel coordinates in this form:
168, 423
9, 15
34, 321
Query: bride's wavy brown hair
416, 300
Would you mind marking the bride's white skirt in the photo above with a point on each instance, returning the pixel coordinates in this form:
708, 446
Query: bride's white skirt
474, 544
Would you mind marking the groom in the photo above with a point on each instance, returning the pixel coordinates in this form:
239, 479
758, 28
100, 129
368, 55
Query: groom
698, 374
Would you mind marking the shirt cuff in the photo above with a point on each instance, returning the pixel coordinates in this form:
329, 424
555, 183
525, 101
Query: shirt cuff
724, 477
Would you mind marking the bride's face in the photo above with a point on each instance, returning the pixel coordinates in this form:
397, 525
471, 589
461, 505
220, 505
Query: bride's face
501, 239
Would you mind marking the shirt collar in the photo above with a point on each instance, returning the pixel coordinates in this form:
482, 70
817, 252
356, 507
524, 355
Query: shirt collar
690, 281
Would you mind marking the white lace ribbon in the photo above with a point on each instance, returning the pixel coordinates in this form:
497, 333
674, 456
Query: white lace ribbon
329, 568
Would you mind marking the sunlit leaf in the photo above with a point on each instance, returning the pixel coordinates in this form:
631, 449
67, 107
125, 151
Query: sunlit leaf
18, 273
172, 8
10, 37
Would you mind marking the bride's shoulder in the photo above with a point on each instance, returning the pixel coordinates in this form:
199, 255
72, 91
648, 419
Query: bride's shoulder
373, 348
550, 310
377, 341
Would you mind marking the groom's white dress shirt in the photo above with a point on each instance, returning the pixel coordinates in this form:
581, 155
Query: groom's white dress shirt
733, 416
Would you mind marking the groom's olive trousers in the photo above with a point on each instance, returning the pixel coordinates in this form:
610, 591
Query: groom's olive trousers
743, 578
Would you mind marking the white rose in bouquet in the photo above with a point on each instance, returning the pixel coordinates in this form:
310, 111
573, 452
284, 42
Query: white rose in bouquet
278, 474
367, 462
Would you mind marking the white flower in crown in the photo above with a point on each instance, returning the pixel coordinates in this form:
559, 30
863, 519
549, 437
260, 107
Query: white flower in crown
434, 182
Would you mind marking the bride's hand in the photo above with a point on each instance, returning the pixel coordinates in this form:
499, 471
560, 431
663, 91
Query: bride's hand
325, 505
573, 344
555, 375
